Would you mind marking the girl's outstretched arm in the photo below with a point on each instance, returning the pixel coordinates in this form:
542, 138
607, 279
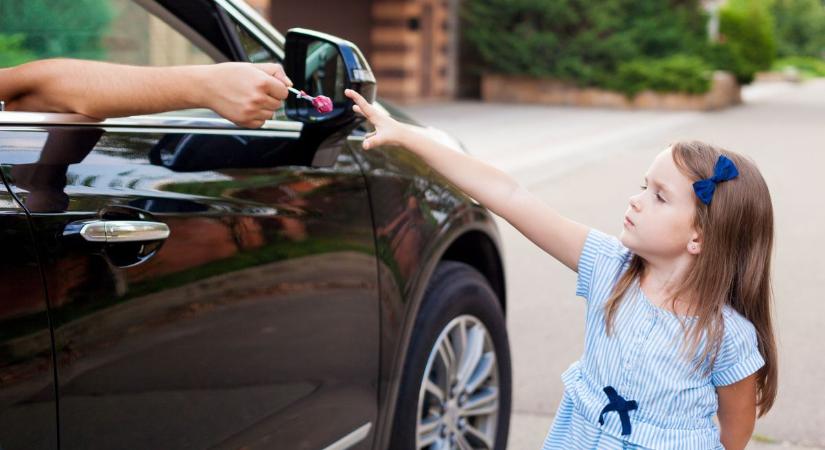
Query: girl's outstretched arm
559, 236
737, 412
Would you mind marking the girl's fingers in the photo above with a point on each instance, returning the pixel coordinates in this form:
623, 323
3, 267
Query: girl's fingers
368, 143
374, 140
363, 106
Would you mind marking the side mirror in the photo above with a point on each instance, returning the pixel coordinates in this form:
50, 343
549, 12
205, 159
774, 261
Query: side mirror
322, 64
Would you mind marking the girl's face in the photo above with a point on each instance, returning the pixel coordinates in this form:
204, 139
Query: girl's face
659, 220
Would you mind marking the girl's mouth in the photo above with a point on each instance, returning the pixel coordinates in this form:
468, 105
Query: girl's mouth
628, 222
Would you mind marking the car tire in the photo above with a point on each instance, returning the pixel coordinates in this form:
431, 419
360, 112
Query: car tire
458, 302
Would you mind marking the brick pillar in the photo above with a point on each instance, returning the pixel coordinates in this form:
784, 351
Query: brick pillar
414, 48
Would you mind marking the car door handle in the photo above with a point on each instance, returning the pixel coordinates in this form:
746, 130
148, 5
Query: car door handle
115, 231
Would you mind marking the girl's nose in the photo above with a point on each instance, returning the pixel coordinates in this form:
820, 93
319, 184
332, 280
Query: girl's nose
634, 202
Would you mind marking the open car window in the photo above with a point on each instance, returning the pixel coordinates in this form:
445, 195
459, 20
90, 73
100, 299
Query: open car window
120, 31
135, 32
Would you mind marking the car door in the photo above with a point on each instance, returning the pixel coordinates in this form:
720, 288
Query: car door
28, 414
209, 286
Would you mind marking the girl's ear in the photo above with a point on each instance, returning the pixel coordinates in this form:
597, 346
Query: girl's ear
694, 247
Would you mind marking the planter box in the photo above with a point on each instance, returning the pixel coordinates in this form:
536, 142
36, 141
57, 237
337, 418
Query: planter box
724, 92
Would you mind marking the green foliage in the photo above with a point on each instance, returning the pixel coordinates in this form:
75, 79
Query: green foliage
677, 73
578, 40
12, 52
627, 44
748, 42
800, 27
807, 66
52, 28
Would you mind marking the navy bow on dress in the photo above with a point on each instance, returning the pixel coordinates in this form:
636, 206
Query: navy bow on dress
620, 405
724, 170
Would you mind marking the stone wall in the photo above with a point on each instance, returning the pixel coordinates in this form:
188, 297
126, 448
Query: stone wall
724, 92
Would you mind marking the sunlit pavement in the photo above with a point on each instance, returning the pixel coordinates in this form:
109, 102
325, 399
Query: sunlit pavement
587, 162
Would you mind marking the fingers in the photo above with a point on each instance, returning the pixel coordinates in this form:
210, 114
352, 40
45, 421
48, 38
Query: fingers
277, 71
276, 88
269, 104
364, 108
265, 114
369, 143
251, 123
256, 120
276, 81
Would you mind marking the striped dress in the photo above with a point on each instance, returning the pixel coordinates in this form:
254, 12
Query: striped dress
642, 362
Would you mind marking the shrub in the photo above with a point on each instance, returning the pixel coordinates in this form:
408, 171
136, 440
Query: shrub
677, 73
748, 43
800, 27
579, 41
807, 66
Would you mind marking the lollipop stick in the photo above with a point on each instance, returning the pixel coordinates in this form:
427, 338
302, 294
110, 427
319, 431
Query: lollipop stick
300, 94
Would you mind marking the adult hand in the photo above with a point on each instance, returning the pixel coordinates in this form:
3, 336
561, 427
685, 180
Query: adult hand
387, 129
245, 93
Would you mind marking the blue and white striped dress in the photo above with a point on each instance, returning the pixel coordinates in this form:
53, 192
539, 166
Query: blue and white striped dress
644, 362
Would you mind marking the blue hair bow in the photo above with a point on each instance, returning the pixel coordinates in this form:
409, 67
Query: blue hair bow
724, 170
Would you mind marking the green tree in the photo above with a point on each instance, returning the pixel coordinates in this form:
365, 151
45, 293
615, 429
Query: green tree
800, 27
748, 41
52, 28
12, 52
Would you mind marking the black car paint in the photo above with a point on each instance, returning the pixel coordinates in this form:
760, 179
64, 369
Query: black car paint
213, 338
420, 219
116, 327
27, 391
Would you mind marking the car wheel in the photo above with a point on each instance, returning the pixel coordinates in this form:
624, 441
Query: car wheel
455, 389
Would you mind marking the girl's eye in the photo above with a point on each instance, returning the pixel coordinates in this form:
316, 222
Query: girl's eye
643, 187
659, 197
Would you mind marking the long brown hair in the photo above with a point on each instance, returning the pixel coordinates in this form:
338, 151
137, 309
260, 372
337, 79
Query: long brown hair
733, 267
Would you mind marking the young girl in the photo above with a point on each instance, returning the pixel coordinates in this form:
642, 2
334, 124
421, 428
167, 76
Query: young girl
678, 321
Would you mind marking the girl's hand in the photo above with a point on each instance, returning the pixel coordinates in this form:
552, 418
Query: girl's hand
387, 129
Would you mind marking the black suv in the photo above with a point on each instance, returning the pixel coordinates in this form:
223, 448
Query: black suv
174, 281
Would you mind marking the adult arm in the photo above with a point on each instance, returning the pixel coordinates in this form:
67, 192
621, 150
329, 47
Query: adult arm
244, 93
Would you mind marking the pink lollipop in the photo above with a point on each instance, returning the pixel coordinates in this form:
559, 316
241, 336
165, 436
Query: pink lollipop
322, 103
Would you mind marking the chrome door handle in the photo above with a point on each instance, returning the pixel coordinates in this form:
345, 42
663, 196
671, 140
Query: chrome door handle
115, 231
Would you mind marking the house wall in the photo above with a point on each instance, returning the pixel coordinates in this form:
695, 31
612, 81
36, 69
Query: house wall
349, 19
412, 45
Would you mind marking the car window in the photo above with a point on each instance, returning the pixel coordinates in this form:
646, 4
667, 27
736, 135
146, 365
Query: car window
255, 51
119, 31
136, 32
